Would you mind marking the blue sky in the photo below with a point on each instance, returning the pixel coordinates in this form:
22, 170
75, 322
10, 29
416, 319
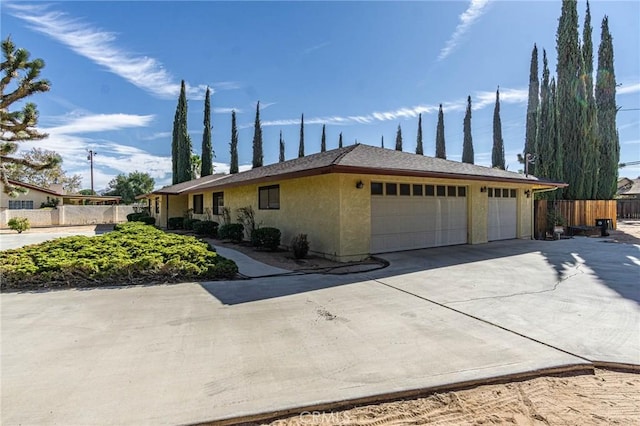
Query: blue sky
362, 68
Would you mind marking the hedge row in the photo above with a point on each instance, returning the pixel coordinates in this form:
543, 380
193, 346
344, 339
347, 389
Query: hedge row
132, 254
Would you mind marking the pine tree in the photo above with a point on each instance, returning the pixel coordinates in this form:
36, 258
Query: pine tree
301, 146
419, 149
441, 151
532, 109
323, 140
590, 126
19, 126
234, 145
467, 146
207, 151
609, 152
399, 139
340, 141
569, 111
545, 141
257, 139
281, 158
181, 144
497, 154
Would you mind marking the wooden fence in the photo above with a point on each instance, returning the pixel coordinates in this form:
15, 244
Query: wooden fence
575, 212
628, 209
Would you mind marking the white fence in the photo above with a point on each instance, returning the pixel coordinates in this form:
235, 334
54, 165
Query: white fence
69, 215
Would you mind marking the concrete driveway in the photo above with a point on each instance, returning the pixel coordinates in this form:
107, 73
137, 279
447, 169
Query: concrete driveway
189, 353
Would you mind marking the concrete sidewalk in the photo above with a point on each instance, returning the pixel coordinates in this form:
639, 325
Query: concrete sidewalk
246, 265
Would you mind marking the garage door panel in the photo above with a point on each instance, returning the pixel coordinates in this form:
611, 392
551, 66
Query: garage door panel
502, 218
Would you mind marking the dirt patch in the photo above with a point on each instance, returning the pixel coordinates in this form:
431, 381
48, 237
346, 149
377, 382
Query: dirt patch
605, 398
628, 231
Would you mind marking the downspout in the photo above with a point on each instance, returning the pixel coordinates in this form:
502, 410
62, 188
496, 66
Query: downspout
533, 218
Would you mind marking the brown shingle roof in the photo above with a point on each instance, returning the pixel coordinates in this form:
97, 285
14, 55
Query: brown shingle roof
190, 185
363, 159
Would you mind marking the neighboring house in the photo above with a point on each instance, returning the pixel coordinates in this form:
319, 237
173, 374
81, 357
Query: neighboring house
628, 188
70, 209
360, 200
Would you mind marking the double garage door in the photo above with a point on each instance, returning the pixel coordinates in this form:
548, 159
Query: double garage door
411, 216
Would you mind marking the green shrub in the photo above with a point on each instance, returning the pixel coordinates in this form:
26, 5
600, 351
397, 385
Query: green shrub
268, 238
206, 227
232, 231
19, 224
188, 223
135, 217
176, 223
133, 254
147, 220
300, 246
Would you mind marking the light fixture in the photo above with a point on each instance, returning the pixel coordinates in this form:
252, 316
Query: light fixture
528, 193
359, 184
483, 189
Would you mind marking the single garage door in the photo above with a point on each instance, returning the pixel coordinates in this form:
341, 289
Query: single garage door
411, 216
502, 214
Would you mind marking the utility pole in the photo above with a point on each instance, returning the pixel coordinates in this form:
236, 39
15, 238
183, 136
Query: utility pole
90, 158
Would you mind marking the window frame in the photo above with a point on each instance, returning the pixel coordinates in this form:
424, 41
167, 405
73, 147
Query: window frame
217, 207
405, 189
375, 186
269, 203
195, 204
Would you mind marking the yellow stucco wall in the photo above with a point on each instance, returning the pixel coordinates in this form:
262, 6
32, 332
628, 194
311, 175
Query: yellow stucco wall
32, 195
336, 215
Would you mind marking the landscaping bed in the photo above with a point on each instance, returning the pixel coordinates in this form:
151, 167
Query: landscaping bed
134, 253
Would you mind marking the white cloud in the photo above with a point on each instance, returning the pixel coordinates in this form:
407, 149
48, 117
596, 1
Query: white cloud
507, 96
316, 47
475, 10
99, 46
227, 110
227, 85
101, 123
629, 88
157, 135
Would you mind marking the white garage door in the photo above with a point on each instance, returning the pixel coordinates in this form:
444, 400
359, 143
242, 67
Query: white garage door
412, 216
503, 214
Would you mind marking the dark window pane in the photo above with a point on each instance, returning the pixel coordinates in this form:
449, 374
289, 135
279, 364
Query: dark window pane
430, 190
218, 202
269, 197
451, 191
490, 192
376, 188
513, 193
497, 193
197, 204
405, 189
462, 191
392, 189
441, 190
505, 193
417, 189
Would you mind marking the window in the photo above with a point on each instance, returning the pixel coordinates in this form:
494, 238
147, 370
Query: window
462, 191
505, 193
392, 189
157, 205
376, 188
430, 191
198, 204
497, 193
405, 189
417, 190
441, 190
20, 204
490, 192
218, 202
269, 197
513, 193
451, 191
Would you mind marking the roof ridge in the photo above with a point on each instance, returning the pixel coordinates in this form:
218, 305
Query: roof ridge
347, 150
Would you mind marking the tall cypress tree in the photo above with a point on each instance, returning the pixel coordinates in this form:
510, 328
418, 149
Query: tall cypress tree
441, 151
281, 157
569, 111
467, 145
590, 126
234, 144
382, 141
399, 139
257, 139
323, 140
497, 153
556, 168
609, 152
183, 149
206, 167
301, 146
340, 141
532, 109
544, 136
419, 149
